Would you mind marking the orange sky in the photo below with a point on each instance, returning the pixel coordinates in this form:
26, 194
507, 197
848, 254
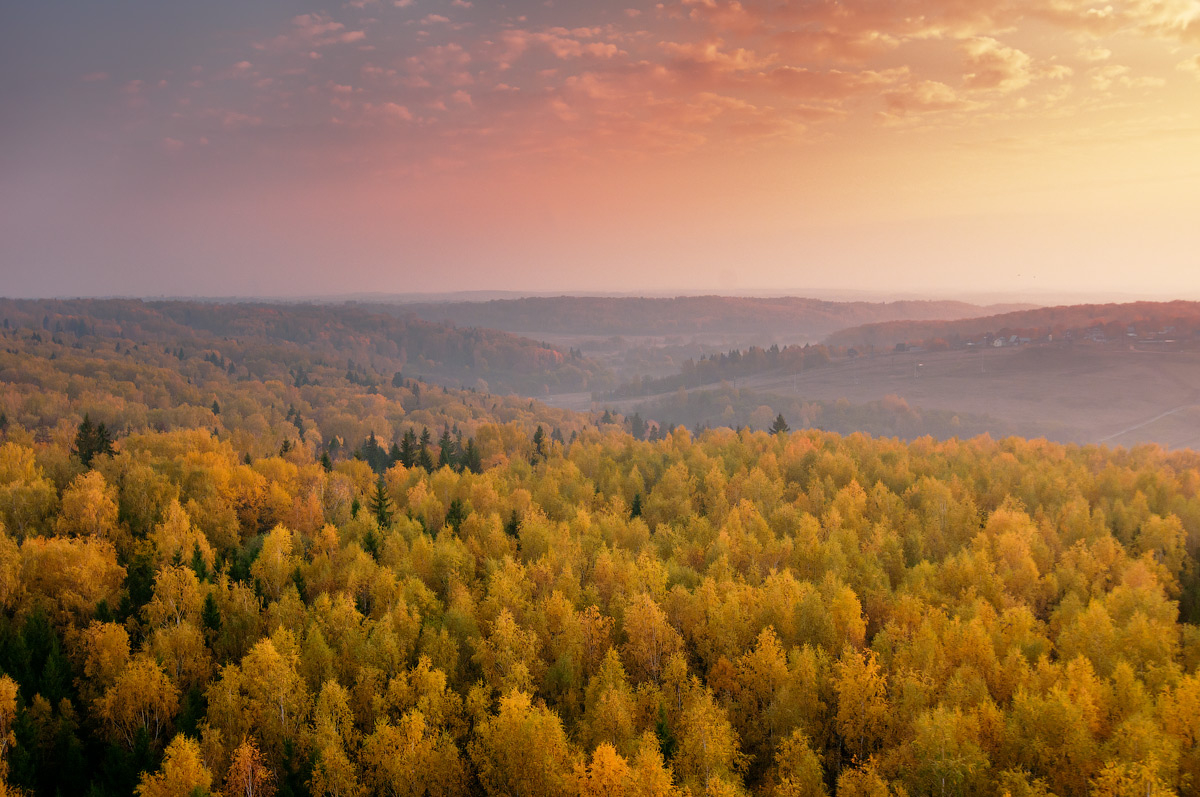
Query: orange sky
911, 146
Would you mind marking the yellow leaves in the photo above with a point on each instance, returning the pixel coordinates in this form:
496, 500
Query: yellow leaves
522, 750
183, 772
27, 497
177, 598
106, 654
8, 714
277, 698
141, 698
650, 776
672, 498
412, 759
509, 656
10, 570
798, 769
609, 707
275, 563
707, 744
427, 690
1178, 709
849, 623
607, 775
89, 509
70, 576
1129, 780
333, 738
334, 774
175, 538
862, 708
650, 638
863, 781
182, 651
946, 755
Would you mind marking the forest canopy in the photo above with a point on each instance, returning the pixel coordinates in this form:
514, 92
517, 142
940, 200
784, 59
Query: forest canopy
222, 600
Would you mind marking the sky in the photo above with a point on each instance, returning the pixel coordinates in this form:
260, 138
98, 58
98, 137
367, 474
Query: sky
272, 148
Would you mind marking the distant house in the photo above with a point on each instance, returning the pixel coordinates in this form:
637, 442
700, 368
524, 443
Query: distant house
998, 343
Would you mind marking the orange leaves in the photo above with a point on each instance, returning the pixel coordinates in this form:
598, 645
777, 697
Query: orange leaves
248, 774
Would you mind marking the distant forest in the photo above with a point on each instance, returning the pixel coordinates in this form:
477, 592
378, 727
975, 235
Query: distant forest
806, 320
247, 337
1099, 323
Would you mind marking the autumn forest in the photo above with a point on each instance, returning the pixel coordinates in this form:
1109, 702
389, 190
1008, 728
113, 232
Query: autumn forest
307, 550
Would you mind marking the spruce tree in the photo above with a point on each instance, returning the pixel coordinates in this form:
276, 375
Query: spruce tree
472, 460
381, 504
92, 440
446, 456
408, 448
424, 458
780, 426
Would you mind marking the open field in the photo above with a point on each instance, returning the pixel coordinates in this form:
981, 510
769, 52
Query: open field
1071, 393
1094, 394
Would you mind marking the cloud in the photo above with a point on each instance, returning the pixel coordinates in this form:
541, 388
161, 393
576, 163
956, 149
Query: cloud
389, 111
678, 74
992, 65
1094, 54
711, 55
832, 84
1105, 78
1191, 65
926, 96
313, 30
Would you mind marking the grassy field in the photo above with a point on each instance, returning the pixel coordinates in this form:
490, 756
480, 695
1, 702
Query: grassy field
1072, 393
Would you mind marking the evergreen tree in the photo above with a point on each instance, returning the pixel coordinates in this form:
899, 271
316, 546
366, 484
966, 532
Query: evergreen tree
637, 426
408, 448
512, 526
374, 454
92, 440
472, 460
326, 462
381, 504
780, 426
446, 456
456, 514
216, 408
198, 564
424, 458
539, 441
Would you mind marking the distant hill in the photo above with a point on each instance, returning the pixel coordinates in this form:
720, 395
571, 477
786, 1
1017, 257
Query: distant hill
348, 336
1097, 322
796, 318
